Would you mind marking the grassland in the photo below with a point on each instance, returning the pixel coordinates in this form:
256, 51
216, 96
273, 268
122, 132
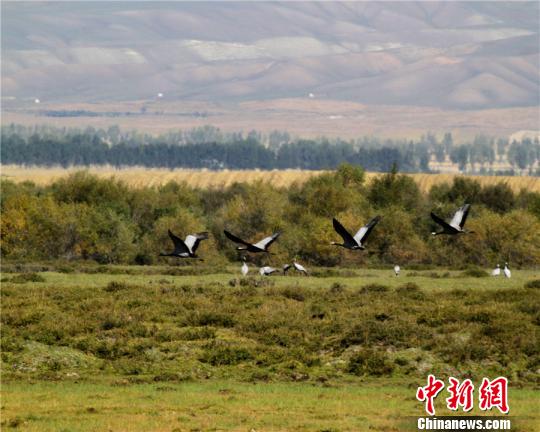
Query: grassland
90, 347
204, 179
382, 405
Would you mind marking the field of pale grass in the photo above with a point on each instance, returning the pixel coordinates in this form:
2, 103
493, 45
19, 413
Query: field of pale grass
140, 176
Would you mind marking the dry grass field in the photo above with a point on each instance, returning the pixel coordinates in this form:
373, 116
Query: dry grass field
312, 118
139, 176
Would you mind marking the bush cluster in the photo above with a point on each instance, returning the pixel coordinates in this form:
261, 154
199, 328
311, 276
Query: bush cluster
84, 217
271, 332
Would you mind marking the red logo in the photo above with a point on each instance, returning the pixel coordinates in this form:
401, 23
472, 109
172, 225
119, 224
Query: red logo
460, 395
429, 393
494, 394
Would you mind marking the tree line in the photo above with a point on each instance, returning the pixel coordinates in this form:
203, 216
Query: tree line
82, 217
209, 147
86, 149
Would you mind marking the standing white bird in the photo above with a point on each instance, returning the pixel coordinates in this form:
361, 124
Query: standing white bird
455, 226
397, 270
245, 268
299, 267
286, 268
267, 271
496, 271
507, 271
356, 242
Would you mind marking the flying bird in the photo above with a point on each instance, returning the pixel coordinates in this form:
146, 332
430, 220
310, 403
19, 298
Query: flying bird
261, 246
456, 224
356, 242
185, 248
507, 271
397, 269
245, 268
267, 271
496, 271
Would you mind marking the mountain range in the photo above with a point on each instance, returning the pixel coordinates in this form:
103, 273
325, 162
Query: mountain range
459, 55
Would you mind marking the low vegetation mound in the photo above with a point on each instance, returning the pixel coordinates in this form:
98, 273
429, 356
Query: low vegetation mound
156, 329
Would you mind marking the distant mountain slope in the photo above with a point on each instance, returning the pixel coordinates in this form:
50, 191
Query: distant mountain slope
458, 55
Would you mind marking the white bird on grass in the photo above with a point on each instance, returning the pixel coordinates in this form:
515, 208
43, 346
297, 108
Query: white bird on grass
299, 267
397, 270
496, 271
507, 271
245, 268
267, 271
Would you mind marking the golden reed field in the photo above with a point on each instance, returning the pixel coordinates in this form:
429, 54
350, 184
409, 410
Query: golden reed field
139, 176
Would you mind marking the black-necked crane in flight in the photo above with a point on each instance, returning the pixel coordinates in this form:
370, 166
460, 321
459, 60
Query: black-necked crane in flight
455, 226
357, 241
185, 248
261, 246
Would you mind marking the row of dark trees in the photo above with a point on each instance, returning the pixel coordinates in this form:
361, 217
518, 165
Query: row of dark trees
209, 147
86, 149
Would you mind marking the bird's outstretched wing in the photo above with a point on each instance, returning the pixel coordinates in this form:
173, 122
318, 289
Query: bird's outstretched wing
179, 245
267, 241
441, 222
235, 239
460, 216
347, 237
192, 241
364, 232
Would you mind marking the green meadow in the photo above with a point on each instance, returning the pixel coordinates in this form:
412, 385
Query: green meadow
93, 347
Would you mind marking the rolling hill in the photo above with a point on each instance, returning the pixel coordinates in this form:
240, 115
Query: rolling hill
451, 55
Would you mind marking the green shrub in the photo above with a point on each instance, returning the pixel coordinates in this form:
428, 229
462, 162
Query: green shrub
115, 286
215, 319
474, 272
369, 362
337, 288
411, 290
481, 317
223, 355
27, 278
293, 293
535, 283
198, 333
374, 288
